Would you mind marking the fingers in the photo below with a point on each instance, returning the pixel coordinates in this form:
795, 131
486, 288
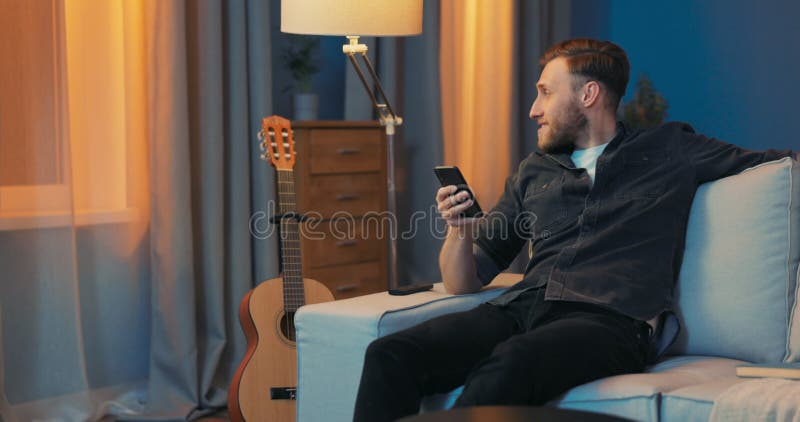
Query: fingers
451, 206
444, 192
445, 202
454, 211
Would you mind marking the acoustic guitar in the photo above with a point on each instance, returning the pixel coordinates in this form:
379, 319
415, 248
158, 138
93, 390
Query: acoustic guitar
265, 384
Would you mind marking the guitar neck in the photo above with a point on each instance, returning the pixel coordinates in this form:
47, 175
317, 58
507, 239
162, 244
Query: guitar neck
293, 293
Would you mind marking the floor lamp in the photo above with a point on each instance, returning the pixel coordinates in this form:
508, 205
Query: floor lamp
354, 18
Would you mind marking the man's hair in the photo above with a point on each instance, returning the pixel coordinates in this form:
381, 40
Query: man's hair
602, 61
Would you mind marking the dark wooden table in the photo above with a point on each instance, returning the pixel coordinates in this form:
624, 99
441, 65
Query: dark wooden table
511, 414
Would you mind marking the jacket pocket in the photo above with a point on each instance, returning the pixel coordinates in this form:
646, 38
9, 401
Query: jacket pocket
544, 201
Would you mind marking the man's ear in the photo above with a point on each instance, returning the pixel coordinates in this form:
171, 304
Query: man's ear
590, 94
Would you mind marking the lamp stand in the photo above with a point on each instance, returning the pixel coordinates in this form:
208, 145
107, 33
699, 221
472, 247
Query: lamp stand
389, 120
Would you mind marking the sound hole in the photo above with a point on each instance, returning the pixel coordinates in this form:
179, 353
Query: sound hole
287, 326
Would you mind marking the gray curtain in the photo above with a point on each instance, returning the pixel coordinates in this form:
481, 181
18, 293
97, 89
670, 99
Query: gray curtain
203, 141
409, 72
423, 150
540, 24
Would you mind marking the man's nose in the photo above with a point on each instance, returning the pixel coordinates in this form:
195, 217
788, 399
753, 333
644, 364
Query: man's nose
535, 110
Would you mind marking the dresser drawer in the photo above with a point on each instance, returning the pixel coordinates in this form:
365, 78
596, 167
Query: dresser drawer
354, 194
350, 280
345, 151
321, 248
341, 167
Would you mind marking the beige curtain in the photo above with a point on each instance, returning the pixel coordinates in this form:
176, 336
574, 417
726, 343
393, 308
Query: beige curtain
477, 40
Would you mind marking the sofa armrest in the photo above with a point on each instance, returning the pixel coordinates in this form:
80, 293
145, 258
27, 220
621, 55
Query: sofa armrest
333, 336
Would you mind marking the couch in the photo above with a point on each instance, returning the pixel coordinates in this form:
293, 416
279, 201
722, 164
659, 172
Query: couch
736, 299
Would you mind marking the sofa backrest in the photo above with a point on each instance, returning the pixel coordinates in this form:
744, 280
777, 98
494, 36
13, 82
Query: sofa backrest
737, 291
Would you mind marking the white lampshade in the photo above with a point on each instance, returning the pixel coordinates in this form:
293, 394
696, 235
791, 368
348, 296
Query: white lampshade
352, 17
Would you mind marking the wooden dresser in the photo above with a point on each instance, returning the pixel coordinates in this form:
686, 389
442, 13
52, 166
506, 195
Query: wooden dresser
340, 175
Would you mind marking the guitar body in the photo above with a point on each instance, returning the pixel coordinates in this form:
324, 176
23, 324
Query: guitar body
271, 358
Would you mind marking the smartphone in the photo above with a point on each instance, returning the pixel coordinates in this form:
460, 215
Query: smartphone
409, 289
451, 175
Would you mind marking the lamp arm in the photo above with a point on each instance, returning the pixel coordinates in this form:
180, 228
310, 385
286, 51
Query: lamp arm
379, 86
386, 114
360, 73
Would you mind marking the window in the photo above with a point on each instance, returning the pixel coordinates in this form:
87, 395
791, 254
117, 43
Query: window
67, 111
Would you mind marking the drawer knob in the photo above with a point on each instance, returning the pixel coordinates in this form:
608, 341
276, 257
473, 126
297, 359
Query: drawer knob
347, 197
348, 151
346, 243
347, 287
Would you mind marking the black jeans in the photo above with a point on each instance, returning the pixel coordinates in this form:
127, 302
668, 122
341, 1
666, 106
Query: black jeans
525, 353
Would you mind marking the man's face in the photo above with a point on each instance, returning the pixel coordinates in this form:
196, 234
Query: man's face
556, 109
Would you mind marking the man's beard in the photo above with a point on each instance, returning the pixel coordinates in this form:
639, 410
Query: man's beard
564, 131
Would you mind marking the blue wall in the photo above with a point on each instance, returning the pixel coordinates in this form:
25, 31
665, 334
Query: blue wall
730, 68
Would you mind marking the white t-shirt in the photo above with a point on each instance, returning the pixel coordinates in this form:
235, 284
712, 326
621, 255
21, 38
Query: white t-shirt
587, 158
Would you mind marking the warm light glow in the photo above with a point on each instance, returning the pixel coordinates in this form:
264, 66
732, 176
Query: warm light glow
136, 128
101, 94
107, 110
352, 17
476, 76
96, 91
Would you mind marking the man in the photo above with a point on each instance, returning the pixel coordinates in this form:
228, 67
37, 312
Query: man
605, 212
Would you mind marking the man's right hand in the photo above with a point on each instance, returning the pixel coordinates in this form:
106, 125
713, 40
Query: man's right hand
451, 206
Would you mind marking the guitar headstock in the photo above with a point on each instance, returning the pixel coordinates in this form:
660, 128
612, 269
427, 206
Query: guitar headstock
277, 142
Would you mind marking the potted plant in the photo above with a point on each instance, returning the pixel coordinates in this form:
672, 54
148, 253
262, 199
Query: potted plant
300, 58
647, 109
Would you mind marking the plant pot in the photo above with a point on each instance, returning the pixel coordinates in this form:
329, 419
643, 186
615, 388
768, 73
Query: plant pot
306, 106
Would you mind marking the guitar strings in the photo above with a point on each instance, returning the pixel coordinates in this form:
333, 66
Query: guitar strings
293, 289
292, 280
290, 243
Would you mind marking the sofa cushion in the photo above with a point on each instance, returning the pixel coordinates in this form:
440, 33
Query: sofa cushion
637, 396
633, 396
736, 293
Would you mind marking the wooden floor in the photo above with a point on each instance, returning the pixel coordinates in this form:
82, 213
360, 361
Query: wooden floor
217, 417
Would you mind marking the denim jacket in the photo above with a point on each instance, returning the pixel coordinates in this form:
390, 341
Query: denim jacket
619, 242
